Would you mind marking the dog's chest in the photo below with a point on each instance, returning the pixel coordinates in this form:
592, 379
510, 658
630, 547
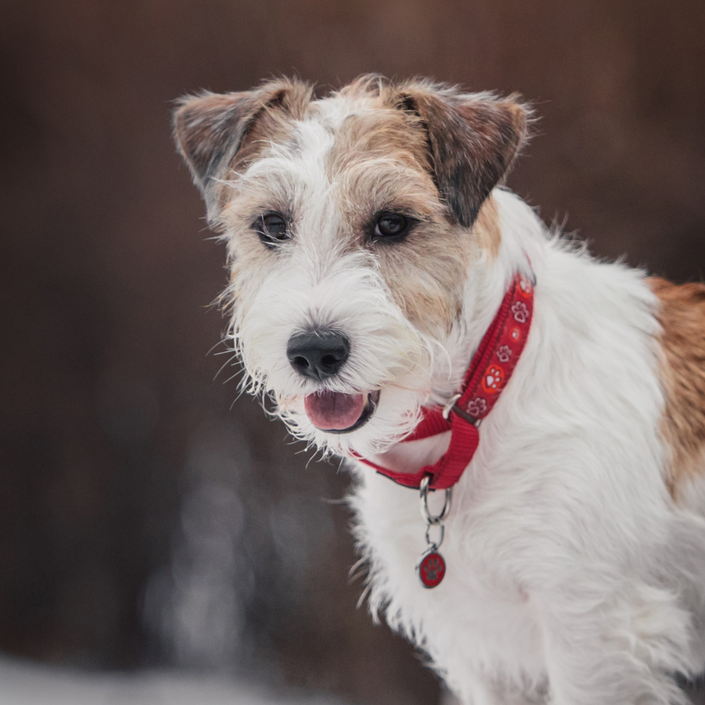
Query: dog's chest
479, 614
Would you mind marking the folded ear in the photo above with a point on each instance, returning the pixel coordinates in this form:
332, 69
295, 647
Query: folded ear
210, 129
473, 140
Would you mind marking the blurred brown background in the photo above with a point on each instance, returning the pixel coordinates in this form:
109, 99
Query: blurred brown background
145, 518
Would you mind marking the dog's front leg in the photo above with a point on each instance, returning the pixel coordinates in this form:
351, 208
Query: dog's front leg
613, 650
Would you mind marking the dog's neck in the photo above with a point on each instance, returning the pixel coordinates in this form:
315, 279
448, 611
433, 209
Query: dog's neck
486, 285
488, 279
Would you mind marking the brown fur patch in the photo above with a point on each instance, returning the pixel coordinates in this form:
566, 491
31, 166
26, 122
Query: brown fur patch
380, 162
486, 229
682, 318
426, 274
426, 277
382, 133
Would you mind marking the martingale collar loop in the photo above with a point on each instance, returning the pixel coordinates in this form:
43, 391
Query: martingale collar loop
488, 374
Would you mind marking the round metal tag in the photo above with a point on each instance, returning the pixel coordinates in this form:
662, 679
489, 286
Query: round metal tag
432, 569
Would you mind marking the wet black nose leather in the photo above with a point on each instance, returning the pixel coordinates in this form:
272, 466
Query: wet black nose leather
318, 354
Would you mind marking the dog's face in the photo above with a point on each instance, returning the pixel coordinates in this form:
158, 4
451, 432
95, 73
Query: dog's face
352, 223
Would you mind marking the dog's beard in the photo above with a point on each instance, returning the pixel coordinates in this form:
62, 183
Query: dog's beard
387, 354
396, 414
397, 410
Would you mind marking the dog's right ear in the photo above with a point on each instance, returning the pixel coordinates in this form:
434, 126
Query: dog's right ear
211, 128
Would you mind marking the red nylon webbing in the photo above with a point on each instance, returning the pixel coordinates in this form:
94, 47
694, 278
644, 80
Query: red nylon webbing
489, 371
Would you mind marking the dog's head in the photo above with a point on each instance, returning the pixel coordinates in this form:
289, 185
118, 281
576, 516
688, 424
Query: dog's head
352, 223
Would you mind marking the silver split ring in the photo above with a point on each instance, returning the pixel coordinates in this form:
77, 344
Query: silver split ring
435, 544
425, 513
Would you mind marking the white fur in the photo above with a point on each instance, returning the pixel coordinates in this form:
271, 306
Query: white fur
569, 568
571, 574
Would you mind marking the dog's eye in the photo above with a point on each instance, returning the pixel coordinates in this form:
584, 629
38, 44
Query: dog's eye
391, 226
272, 228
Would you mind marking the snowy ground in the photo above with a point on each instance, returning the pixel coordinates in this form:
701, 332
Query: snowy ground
22, 683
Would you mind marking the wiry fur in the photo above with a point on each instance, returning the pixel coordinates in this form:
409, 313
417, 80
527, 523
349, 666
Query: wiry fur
682, 317
573, 575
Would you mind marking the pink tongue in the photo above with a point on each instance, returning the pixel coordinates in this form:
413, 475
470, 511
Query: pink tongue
333, 411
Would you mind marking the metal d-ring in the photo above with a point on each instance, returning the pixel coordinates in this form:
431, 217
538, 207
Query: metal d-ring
449, 406
432, 519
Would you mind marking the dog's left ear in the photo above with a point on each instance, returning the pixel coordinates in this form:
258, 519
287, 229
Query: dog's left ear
473, 140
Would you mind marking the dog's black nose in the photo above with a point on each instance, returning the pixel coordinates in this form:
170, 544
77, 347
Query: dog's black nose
318, 354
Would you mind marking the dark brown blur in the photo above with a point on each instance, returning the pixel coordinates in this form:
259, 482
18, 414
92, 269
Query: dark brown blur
145, 518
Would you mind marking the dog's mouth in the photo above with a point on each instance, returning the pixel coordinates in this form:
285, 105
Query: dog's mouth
335, 412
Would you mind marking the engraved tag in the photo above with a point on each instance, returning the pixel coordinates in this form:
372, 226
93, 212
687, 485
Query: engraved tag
431, 568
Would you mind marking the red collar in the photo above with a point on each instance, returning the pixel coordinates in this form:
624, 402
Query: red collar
486, 377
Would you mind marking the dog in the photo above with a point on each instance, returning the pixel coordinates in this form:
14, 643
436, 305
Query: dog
411, 315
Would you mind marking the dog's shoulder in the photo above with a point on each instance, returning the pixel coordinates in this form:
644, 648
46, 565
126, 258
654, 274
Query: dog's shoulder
681, 314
